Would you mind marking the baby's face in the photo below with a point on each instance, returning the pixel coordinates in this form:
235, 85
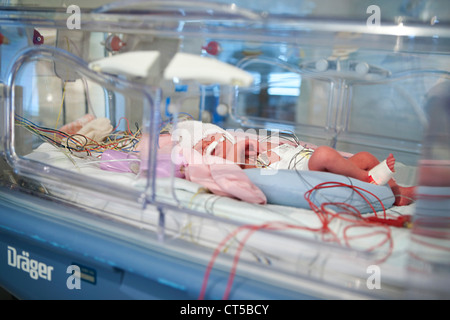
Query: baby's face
243, 152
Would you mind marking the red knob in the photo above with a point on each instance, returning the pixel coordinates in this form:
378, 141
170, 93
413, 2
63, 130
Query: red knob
114, 43
37, 37
212, 48
3, 39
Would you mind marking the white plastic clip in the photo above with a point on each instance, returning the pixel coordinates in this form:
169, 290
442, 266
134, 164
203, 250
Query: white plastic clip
381, 174
136, 63
206, 70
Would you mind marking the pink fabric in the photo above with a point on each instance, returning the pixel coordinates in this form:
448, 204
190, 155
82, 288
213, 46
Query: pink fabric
225, 179
116, 165
165, 167
165, 147
75, 126
220, 173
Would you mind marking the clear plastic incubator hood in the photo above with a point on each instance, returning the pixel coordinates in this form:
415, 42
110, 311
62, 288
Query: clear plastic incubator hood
218, 150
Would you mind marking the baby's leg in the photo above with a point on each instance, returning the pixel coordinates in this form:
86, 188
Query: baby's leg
366, 161
403, 195
328, 159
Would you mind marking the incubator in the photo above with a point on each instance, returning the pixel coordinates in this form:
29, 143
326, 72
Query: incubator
100, 101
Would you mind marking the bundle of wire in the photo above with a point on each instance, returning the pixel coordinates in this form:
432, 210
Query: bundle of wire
79, 144
326, 212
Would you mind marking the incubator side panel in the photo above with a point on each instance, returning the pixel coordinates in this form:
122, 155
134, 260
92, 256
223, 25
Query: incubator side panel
89, 124
45, 113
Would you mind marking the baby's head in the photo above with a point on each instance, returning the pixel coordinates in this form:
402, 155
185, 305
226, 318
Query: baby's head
190, 133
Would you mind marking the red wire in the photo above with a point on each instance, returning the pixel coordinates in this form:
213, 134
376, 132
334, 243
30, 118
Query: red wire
252, 228
325, 216
267, 226
431, 245
128, 124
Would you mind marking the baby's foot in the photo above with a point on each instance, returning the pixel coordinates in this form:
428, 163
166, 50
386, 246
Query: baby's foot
383, 172
390, 161
404, 195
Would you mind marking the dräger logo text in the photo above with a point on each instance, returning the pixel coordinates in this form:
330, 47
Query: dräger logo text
33, 267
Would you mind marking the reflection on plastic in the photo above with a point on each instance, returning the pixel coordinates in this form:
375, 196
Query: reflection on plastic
117, 161
429, 254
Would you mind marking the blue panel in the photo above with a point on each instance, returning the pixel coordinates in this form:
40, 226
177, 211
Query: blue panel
111, 266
